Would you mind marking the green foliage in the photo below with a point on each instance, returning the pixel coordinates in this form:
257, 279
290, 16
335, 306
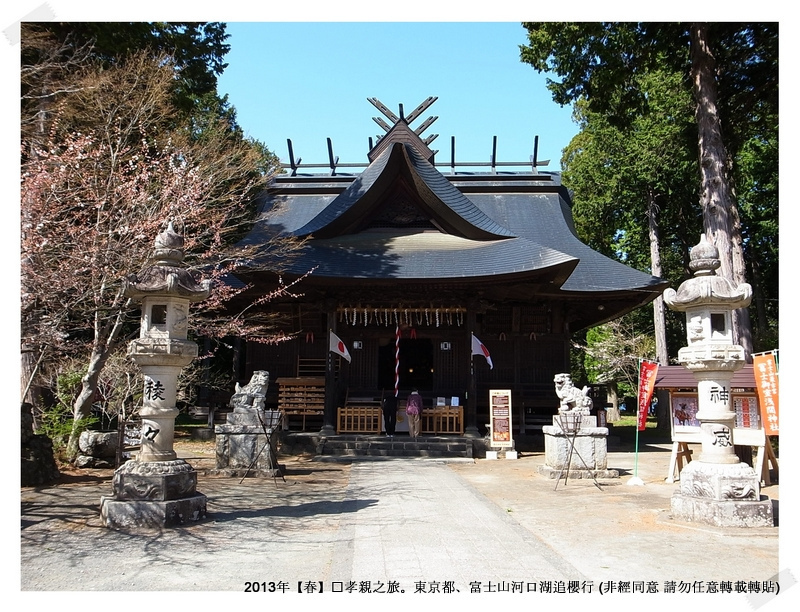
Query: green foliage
198, 50
67, 386
56, 421
611, 352
592, 59
615, 173
747, 61
596, 369
757, 190
270, 163
626, 430
631, 87
618, 177
746, 57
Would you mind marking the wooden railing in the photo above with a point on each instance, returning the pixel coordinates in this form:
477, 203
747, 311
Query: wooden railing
369, 419
443, 420
359, 419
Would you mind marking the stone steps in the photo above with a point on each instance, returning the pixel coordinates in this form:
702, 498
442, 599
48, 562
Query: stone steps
400, 446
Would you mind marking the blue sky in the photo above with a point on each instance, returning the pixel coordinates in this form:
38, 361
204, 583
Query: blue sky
310, 81
289, 77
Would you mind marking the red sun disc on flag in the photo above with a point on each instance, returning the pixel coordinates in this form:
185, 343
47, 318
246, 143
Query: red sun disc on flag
340, 346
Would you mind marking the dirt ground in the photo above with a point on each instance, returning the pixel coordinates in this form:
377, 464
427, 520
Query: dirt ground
201, 454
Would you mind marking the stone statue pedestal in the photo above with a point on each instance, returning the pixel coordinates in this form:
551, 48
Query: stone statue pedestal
242, 438
723, 495
589, 456
153, 495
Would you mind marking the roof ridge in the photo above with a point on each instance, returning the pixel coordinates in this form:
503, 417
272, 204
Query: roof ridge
435, 195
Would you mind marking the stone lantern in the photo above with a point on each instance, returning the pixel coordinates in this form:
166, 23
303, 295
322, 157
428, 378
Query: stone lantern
158, 489
717, 488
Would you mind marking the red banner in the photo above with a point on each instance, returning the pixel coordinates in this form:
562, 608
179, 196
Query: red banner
647, 382
765, 372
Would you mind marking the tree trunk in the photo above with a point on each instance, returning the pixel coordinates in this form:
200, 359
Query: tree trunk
29, 365
30, 392
758, 300
659, 315
612, 415
82, 408
720, 215
104, 345
663, 411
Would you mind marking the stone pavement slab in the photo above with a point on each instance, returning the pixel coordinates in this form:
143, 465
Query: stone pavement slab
409, 525
609, 529
429, 525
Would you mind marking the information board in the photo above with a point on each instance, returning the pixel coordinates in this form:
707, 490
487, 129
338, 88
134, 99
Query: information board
500, 417
748, 430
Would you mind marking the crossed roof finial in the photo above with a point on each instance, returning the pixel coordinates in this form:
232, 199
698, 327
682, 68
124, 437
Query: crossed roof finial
408, 120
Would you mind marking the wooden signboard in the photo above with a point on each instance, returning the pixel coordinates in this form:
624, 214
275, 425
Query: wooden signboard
765, 369
747, 427
747, 431
500, 417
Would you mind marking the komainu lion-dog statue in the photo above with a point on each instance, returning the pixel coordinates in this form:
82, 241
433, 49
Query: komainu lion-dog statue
253, 395
573, 400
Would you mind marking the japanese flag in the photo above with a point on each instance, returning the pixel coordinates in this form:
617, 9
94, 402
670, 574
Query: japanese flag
338, 347
478, 348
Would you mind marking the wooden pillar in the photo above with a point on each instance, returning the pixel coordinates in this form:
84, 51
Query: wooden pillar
329, 418
557, 318
471, 408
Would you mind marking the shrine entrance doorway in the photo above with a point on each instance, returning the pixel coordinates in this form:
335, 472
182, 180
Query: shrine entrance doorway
416, 364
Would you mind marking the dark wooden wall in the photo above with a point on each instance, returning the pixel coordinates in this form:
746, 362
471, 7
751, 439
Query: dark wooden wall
525, 352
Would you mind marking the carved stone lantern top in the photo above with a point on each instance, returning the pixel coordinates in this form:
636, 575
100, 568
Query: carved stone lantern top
169, 247
166, 275
706, 288
708, 301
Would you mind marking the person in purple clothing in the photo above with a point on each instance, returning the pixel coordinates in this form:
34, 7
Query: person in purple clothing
414, 412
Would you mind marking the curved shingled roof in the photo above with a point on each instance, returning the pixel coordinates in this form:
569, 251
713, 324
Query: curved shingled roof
432, 255
515, 227
442, 202
547, 221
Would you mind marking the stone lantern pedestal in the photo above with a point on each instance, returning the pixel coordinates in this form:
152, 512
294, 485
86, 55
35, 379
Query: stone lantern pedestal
717, 488
157, 489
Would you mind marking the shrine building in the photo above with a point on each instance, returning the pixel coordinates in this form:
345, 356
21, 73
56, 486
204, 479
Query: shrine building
410, 258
